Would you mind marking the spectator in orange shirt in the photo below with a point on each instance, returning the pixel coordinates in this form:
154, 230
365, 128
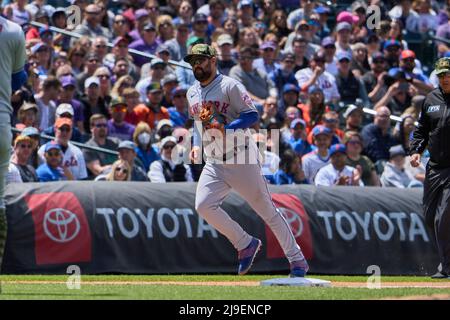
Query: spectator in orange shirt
314, 109
152, 112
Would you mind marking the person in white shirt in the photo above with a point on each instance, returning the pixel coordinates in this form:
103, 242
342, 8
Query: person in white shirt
316, 75
169, 168
313, 161
72, 156
337, 173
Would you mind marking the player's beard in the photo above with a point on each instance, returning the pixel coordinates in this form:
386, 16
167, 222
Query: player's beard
202, 74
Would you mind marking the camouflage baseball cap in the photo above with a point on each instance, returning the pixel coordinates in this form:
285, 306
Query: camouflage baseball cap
201, 49
442, 66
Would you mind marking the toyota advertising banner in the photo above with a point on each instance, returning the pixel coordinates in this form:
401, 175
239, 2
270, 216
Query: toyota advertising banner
145, 228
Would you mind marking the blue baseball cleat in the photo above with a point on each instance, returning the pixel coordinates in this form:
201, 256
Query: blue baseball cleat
299, 268
247, 255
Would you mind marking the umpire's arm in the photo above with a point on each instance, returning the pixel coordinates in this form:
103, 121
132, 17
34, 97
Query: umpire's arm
420, 137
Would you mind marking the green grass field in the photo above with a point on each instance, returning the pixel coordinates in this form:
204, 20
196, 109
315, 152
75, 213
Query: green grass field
212, 287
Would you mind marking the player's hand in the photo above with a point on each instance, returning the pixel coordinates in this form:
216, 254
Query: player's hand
415, 160
194, 154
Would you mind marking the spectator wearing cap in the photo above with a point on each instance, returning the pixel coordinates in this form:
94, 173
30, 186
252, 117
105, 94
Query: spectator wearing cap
329, 51
266, 62
43, 54
343, 37
90, 26
67, 95
337, 173
127, 152
169, 168
225, 59
152, 72
152, 111
52, 168
289, 171
306, 8
200, 27
290, 114
394, 174
360, 62
392, 50
168, 83
45, 100
185, 14
314, 108
303, 30
92, 62
65, 110
19, 168
59, 20
177, 46
179, 111
117, 126
320, 157
404, 12
350, 88
317, 76
163, 53
298, 140
354, 147
290, 94
148, 43
377, 137
141, 19
374, 80
40, 16
245, 13
399, 94
418, 79
284, 72
92, 101
256, 81
353, 116
132, 99
27, 116
330, 120
98, 162
72, 157
33, 133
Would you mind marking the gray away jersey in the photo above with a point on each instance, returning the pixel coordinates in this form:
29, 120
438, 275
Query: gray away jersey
12, 59
229, 97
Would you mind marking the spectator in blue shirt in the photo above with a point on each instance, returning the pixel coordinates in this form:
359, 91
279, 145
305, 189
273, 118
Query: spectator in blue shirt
298, 141
146, 153
179, 111
290, 171
52, 169
284, 73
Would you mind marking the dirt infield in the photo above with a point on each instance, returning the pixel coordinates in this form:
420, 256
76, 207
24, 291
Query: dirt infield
335, 284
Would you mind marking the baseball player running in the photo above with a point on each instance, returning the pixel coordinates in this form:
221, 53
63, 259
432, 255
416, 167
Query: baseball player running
220, 102
12, 60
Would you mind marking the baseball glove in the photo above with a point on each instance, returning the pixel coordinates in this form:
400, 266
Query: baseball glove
210, 118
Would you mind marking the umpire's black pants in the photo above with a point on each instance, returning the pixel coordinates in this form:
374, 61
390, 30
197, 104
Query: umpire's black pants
436, 202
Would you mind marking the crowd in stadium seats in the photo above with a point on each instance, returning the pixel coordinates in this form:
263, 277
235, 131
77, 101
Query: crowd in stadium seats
309, 66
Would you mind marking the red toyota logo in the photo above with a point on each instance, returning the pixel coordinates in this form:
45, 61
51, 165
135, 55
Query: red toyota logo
62, 233
294, 212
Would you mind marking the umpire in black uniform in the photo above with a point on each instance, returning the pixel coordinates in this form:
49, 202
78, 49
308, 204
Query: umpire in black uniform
434, 132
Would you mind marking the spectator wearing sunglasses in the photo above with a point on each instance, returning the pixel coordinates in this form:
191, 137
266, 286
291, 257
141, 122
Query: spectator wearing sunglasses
169, 168
19, 168
52, 169
117, 126
120, 171
179, 111
71, 156
98, 162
